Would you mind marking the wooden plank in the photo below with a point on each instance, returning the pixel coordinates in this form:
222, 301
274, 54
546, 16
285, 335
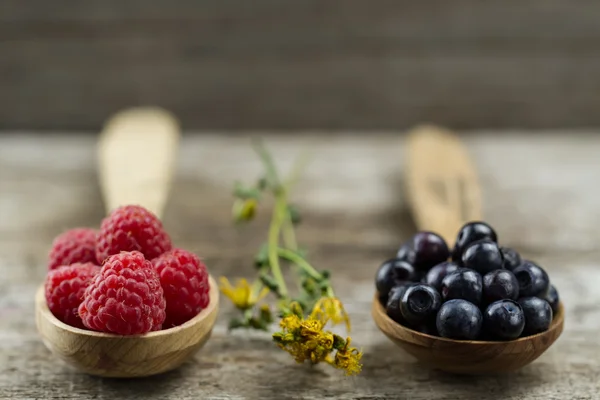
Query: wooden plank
355, 218
305, 64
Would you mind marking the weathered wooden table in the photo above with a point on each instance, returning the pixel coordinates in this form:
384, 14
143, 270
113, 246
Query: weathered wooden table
540, 191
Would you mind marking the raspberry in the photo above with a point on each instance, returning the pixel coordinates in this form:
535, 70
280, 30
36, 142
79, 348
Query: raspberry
65, 287
73, 246
131, 228
184, 279
125, 297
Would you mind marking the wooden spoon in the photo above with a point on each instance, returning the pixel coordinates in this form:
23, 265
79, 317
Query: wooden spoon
441, 182
136, 155
444, 193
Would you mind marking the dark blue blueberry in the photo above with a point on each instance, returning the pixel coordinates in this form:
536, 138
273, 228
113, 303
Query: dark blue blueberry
463, 284
459, 319
470, 233
504, 320
407, 253
483, 256
499, 285
538, 315
383, 298
533, 280
428, 328
430, 250
436, 274
392, 306
512, 259
553, 299
392, 273
420, 303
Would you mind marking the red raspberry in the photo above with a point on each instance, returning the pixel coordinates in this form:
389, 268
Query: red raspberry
184, 279
73, 246
125, 297
131, 228
64, 290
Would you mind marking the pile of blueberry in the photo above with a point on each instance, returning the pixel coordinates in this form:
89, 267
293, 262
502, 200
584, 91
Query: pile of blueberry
476, 291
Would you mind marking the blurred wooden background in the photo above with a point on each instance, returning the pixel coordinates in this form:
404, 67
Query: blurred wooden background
302, 64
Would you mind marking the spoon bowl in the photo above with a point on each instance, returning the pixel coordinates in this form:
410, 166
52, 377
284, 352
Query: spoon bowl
468, 356
116, 356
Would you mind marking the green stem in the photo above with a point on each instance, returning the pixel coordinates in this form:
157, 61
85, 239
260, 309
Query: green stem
330, 292
304, 265
300, 262
274, 231
289, 236
271, 170
297, 169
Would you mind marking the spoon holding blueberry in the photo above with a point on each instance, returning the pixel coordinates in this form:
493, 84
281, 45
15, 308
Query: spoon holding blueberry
453, 296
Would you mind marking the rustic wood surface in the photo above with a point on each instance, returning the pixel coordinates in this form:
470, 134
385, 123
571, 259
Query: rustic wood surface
539, 191
342, 64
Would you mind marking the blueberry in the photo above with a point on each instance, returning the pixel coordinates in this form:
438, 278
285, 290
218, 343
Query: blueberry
406, 253
553, 299
392, 306
499, 285
504, 320
483, 256
420, 303
470, 233
463, 284
392, 273
538, 315
436, 274
512, 259
430, 250
428, 328
533, 280
459, 319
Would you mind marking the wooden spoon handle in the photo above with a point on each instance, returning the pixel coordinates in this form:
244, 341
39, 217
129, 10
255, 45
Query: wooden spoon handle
136, 158
442, 183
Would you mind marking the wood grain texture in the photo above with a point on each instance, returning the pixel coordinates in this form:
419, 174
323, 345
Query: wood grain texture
441, 182
301, 64
115, 356
137, 150
539, 192
466, 356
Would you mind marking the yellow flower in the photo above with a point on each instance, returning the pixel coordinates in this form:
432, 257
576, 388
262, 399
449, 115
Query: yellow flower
331, 309
318, 348
304, 338
242, 294
348, 358
244, 210
311, 328
290, 323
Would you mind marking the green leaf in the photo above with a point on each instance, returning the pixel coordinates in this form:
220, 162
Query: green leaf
243, 192
309, 285
294, 213
278, 337
262, 183
261, 259
269, 282
236, 323
338, 342
265, 314
257, 324
302, 252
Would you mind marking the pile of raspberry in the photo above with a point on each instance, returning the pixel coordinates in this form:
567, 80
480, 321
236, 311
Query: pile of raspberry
125, 278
